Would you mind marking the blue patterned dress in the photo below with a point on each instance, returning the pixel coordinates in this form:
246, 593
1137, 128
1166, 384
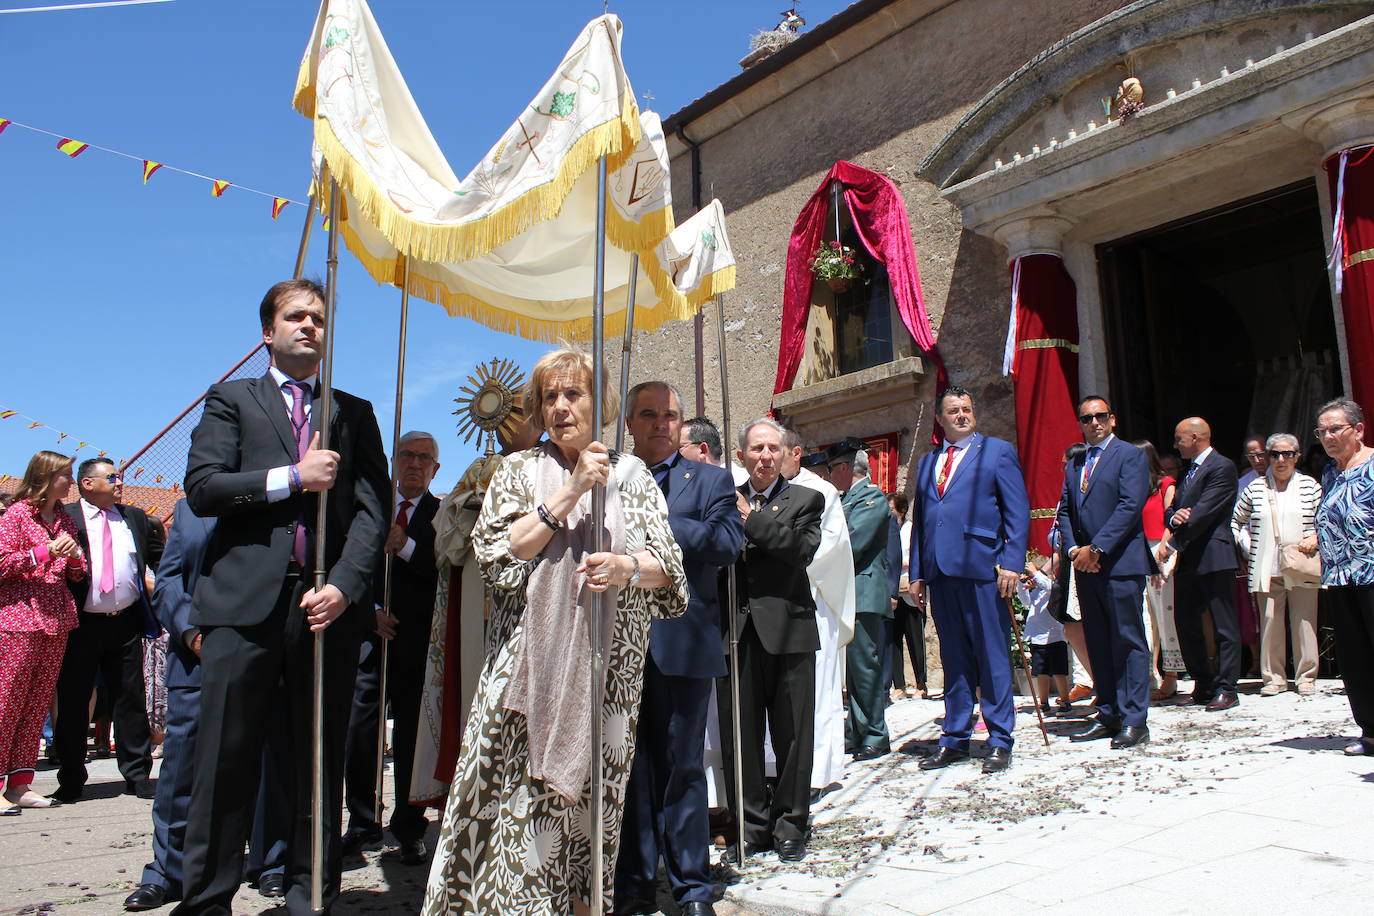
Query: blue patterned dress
1345, 525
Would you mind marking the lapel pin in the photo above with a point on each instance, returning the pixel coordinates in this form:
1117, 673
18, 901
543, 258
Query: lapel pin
775, 508
687, 476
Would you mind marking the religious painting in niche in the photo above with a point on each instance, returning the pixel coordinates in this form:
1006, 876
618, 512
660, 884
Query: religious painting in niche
883, 458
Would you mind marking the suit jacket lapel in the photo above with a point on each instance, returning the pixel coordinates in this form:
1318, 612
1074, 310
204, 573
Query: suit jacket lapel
972, 452
269, 396
1104, 461
679, 479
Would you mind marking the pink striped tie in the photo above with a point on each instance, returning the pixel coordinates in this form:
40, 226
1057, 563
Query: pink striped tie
107, 582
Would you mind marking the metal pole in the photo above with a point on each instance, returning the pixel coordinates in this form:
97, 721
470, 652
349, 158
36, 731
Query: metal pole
325, 406
305, 237
731, 595
598, 516
625, 354
387, 558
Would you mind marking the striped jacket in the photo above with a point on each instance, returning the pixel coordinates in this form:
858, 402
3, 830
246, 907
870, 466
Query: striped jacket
1254, 529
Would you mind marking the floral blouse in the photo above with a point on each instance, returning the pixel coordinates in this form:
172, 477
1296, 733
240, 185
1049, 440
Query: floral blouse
1345, 525
34, 596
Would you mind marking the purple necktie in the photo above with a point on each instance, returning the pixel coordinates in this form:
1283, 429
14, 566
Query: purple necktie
301, 424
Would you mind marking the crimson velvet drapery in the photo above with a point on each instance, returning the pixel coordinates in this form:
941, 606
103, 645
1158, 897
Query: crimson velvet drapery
879, 217
1354, 197
1046, 382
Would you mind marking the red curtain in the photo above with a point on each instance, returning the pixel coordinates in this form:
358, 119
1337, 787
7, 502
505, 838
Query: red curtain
1354, 198
1046, 381
879, 216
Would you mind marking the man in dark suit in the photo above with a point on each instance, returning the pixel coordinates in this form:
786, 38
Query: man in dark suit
1199, 523
177, 575
1100, 527
865, 510
777, 645
114, 616
414, 578
970, 523
666, 799
255, 465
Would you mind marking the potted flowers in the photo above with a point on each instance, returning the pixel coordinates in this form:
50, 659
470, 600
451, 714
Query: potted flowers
835, 264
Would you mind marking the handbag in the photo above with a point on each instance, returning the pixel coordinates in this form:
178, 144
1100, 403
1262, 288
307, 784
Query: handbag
1297, 568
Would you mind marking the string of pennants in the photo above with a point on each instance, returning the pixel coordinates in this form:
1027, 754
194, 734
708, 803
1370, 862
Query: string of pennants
73, 148
7, 414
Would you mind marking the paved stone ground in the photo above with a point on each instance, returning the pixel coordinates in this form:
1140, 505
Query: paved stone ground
1250, 810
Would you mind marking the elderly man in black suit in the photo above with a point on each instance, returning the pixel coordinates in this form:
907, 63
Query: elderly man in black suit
1199, 523
666, 813
256, 466
114, 616
777, 644
414, 579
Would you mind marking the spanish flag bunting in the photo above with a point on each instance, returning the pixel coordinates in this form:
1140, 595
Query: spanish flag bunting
278, 204
175, 487
81, 445
100, 454
6, 414
35, 424
218, 187
61, 436
157, 479
4, 122
139, 471
149, 167
72, 148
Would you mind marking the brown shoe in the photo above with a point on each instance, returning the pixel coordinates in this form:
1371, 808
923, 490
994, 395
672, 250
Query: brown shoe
1223, 701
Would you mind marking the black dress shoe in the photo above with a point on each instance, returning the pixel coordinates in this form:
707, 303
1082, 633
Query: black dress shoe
698, 908
272, 885
142, 788
869, 753
792, 850
943, 758
146, 897
997, 760
1096, 733
67, 794
356, 839
1223, 701
413, 852
1130, 736
731, 855
635, 906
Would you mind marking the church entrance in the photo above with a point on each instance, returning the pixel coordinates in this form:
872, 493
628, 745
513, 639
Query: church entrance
1225, 315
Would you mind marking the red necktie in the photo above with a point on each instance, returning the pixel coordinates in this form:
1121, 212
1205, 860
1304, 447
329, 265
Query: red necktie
403, 514
943, 480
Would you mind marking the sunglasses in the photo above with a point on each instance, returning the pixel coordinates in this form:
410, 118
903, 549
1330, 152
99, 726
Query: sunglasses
1280, 455
1087, 418
113, 478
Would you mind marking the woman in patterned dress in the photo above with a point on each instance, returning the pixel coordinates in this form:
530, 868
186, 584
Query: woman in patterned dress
1345, 537
39, 553
516, 832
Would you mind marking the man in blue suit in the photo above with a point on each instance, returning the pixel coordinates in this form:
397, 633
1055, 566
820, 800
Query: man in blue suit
666, 800
1100, 525
177, 574
970, 523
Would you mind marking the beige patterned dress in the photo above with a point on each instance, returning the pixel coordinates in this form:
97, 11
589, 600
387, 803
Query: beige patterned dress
509, 844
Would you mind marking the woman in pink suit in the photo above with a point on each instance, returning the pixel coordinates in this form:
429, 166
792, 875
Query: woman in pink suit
38, 555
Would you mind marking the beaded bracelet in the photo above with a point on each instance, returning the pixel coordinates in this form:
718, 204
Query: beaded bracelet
295, 478
547, 518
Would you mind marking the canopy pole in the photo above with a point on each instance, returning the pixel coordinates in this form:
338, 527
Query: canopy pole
625, 354
387, 559
598, 521
731, 594
305, 237
325, 406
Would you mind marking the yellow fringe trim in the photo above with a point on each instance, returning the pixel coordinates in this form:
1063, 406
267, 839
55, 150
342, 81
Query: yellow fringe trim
616, 140
390, 271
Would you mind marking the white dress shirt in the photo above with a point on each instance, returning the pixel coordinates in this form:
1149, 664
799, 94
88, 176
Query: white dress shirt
126, 581
279, 479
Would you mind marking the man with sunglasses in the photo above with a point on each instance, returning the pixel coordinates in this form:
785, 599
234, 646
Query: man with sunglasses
1103, 534
115, 616
1199, 523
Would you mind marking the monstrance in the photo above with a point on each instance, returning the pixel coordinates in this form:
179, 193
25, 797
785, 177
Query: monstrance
492, 402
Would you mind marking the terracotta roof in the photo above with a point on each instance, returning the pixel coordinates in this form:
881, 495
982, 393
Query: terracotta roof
158, 501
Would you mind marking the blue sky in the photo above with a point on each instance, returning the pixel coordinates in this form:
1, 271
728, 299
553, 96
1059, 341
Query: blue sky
122, 302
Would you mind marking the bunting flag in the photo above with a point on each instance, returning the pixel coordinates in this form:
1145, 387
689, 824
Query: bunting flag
4, 122
149, 167
139, 471
157, 479
278, 204
71, 147
6, 414
100, 454
217, 187
60, 437
35, 424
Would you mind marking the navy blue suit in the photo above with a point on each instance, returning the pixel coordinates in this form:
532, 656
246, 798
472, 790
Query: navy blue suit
958, 541
176, 582
666, 800
1106, 515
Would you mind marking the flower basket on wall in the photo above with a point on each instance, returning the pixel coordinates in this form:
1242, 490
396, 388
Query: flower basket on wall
836, 265
839, 284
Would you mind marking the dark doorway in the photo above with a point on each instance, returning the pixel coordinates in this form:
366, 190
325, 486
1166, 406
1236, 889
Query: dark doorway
1225, 315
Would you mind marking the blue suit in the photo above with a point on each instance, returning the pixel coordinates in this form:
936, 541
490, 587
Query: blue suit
1104, 512
666, 800
177, 574
958, 541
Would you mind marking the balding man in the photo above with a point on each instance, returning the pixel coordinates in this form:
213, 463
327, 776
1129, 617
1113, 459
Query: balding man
1200, 531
